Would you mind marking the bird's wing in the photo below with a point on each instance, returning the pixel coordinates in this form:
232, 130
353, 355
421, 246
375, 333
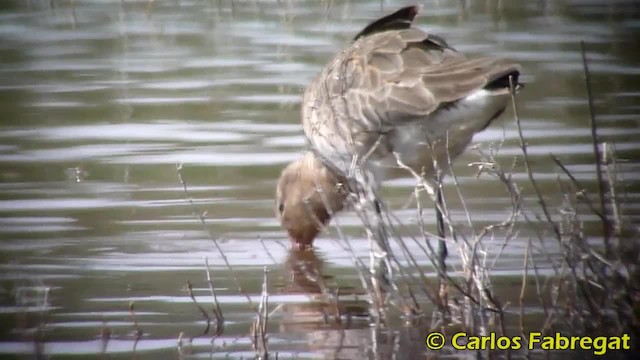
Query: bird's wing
400, 19
390, 75
403, 75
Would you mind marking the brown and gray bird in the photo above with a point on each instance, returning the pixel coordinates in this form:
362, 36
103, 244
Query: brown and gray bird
396, 97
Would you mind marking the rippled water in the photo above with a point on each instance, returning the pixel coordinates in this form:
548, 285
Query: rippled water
101, 100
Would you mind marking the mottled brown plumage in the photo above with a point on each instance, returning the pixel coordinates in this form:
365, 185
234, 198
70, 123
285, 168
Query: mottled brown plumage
396, 94
308, 193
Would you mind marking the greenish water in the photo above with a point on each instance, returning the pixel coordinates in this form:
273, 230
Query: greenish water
101, 100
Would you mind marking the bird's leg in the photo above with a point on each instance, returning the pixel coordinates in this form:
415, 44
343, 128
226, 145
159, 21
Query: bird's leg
442, 245
434, 189
442, 252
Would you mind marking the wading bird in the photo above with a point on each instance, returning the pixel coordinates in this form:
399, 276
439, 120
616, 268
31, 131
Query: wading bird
397, 101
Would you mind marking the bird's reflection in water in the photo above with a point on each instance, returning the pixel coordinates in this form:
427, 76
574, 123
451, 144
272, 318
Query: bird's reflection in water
328, 305
334, 320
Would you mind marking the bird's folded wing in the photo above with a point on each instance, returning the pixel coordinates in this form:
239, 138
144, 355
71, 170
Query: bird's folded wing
404, 75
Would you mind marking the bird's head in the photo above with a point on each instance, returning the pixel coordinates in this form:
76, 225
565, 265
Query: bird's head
307, 195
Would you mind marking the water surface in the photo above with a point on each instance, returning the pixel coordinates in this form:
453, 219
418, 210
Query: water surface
101, 100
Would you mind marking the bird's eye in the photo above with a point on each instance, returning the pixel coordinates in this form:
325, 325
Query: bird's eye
281, 208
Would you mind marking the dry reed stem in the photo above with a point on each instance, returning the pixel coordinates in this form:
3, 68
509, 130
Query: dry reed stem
137, 331
259, 325
203, 312
217, 311
180, 348
267, 251
610, 163
213, 238
105, 336
596, 151
346, 245
523, 287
